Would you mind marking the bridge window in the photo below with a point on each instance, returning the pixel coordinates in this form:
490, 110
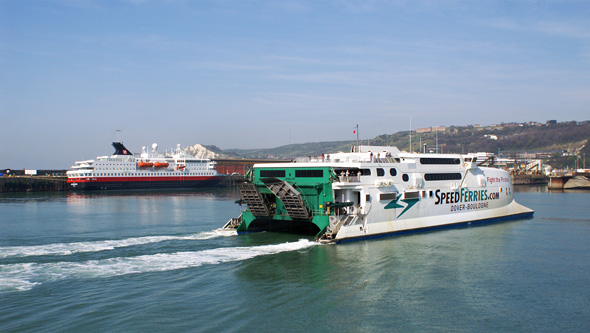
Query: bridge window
433, 160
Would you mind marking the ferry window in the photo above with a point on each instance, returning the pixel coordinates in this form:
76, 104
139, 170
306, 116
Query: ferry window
368, 198
388, 196
393, 172
380, 172
433, 160
405, 177
442, 176
309, 173
272, 173
365, 172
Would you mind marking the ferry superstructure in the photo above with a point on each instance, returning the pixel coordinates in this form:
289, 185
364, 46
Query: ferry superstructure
374, 191
124, 170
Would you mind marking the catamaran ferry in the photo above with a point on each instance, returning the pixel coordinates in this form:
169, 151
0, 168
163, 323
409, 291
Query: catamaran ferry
124, 170
374, 191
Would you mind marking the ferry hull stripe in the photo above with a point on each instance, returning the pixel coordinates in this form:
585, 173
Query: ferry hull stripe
141, 179
120, 185
492, 220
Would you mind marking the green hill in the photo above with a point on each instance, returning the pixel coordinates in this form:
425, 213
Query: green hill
509, 139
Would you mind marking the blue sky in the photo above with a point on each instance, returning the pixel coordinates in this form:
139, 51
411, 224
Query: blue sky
256, 74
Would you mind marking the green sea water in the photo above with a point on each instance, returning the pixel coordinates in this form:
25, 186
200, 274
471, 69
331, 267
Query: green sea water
154, 262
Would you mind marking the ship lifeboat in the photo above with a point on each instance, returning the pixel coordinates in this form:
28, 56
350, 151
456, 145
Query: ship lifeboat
161, 164
180, 167
145, 164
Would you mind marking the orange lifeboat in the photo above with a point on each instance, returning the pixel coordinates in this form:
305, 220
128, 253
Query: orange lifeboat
181, 167
145, 164
161, 164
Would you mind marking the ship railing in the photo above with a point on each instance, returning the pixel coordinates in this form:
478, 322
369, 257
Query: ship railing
337, 222
386, 160
233, 223
314, 159
319, 159
349, 179
346, 159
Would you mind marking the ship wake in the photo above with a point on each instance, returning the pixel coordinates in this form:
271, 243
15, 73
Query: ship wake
62, 249
25, 276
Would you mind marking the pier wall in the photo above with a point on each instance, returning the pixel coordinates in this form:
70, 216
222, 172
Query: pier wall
33, 184
524, 179
59, 183
557, 182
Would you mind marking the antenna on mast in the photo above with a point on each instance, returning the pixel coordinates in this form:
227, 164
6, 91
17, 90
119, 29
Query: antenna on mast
437, 142
411, 148
118, 132
356, 131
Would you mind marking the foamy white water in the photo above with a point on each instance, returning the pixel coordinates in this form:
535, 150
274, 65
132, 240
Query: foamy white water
95, 246
24, 276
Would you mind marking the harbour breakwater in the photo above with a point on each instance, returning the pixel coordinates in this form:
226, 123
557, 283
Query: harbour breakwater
59, 183
34, 184
529, 179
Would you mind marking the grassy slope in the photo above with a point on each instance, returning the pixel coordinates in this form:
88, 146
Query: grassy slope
555, 138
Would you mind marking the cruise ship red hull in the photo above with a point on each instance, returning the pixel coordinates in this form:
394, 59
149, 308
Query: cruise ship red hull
129, 183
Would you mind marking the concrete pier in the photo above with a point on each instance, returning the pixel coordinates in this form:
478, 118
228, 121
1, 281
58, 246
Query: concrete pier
33, 183
59, 183
557, 182
524, 179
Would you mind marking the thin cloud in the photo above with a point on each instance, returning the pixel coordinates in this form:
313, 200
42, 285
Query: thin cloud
283, 97
228, 66
569, 29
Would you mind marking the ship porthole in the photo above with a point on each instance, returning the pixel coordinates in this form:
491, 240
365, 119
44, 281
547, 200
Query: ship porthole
405, 177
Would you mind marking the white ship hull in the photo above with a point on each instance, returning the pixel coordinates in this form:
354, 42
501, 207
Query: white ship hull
148, 170
373, 192
511, 211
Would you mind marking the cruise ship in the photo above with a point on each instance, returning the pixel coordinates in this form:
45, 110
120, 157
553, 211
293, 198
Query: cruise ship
149, 170
373, 191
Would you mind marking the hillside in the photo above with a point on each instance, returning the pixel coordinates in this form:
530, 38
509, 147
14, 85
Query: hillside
509, 139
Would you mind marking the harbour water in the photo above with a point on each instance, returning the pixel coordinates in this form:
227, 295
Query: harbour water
137, 262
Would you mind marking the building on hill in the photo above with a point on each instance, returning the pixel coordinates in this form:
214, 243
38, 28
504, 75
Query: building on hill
431, 129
